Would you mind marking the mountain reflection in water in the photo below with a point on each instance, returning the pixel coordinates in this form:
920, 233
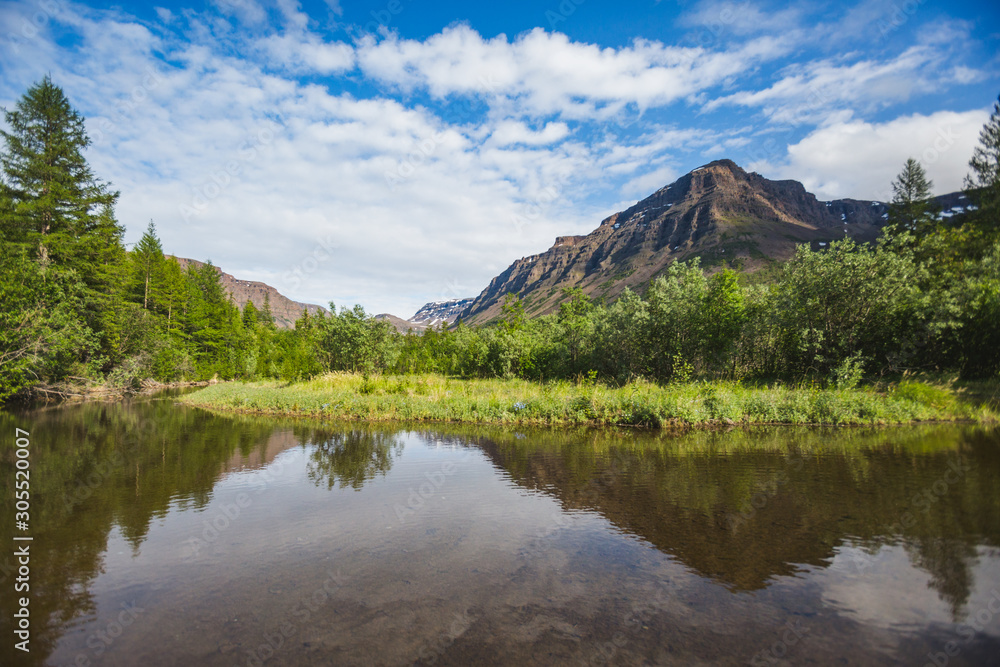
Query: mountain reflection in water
402, 544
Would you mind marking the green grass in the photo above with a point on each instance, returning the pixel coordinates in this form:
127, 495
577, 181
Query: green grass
437, 398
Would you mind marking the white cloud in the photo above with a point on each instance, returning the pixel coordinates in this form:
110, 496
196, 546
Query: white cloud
300, 52
642, 186
546, 73
859, 160
514, 132
810, 93
717, 18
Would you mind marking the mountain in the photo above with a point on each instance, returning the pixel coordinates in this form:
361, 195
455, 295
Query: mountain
435, 312
718, 212
402, 326
429, 315
285, 310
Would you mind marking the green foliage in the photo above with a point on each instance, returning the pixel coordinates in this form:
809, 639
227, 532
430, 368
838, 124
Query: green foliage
354, 341
350, 396
849, 301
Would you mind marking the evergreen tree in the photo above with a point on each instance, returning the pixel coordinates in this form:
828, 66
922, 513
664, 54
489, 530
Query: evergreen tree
983, 186
52, 198
148, 270
53, 207
174, 294
251, 316
265, 316
911, 208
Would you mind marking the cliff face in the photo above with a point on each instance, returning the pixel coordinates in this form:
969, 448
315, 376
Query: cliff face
718, 212
285, 310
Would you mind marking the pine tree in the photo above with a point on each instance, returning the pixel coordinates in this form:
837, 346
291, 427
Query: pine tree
265, 316
983, 186
148, 269
911, 208
52, 198
251, 316
174, 293
53, 208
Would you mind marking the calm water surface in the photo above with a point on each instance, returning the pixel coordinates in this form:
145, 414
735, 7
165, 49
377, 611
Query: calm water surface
165, 535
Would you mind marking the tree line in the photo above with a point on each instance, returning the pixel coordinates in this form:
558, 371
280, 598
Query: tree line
76, 304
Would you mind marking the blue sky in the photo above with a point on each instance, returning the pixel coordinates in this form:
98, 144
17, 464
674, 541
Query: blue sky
395, 152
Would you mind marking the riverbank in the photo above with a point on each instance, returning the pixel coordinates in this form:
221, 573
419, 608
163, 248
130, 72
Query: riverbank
84, 389
435, 398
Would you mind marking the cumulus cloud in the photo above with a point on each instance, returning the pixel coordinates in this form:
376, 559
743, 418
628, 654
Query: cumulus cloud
549, 74
859, 159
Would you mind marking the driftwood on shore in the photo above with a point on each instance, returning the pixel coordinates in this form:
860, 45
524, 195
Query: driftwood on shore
68, 391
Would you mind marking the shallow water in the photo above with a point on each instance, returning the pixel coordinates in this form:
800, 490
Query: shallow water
166, 535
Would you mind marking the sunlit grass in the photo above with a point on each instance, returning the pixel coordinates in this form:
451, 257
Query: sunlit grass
640, 403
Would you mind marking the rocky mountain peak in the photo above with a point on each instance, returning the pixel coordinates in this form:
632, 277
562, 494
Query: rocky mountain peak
718, 212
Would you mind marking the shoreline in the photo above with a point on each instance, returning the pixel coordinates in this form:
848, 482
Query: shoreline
78, 393
438, 399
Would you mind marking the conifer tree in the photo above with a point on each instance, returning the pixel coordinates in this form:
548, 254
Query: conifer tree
983, 186
52, 199
265, 316
911, 208
148, 269
251, 316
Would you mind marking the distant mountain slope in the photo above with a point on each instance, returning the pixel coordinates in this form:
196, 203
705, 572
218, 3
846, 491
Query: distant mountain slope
285, 310
429, 315
718, 212
402, 326
436, 312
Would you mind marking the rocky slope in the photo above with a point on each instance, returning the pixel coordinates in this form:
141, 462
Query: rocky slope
285, 310
436, 312
429, 315
718, 212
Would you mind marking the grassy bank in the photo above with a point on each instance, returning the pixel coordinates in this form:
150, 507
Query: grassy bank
436, 398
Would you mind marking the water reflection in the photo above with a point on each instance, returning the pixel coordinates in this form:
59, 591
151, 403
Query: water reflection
744, 507
350, 457
541, 538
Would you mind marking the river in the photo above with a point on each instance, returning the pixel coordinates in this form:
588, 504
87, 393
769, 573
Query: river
167, 535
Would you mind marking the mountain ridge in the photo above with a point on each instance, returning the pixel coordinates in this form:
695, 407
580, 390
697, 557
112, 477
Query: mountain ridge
285, 310
717, 212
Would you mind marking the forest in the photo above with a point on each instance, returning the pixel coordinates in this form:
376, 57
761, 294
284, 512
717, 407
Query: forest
77, 306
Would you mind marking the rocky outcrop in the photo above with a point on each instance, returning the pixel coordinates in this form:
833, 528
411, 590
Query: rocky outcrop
719, 213
285, 310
